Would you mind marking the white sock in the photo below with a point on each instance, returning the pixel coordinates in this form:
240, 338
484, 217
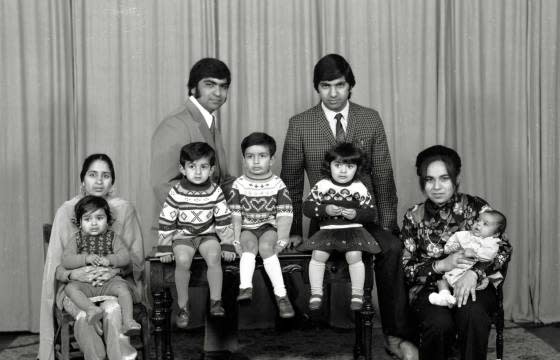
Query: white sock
316, 276
274, 272
246, 270
357, 277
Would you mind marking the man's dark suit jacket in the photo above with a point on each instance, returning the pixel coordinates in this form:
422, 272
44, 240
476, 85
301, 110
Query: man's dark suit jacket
309, 137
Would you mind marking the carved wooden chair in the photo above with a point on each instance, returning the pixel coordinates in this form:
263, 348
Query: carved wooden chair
65, 345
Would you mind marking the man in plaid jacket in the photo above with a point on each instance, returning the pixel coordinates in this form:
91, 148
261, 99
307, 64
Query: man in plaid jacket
310, 134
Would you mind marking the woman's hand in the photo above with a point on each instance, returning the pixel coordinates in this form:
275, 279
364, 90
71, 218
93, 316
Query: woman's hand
83, 274
103, 274
454, 260
333, 210
465, 286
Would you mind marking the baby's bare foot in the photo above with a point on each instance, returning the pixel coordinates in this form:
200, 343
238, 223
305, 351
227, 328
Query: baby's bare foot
94, 314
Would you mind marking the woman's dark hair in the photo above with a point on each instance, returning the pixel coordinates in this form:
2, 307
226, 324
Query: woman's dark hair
91, 159
90, 203
208, 67
259, 138
330, 67
345, 153
448, 156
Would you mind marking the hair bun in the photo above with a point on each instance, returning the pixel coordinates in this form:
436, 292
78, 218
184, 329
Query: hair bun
435, 152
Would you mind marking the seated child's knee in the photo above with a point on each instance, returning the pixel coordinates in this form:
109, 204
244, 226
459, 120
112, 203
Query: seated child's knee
183, 261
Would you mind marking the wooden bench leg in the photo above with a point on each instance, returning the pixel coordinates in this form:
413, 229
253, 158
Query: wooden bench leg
161, 319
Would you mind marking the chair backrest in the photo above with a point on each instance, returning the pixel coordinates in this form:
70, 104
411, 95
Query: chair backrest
46, 238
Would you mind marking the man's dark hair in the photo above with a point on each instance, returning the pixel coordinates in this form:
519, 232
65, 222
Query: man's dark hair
330, 67
197, 150
259, 138
208, 67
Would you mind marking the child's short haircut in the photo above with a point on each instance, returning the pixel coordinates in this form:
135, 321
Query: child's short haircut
346, 153
197, 150
501, 220
259, 138
89, 204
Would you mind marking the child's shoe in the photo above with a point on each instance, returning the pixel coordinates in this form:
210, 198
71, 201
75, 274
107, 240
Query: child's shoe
216, 308
245, 295
357, 302
285, 309
131, 328
315, 302
183, 318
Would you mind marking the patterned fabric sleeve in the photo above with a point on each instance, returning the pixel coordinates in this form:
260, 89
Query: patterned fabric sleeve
234, 198
366, 212
312, 206
168, 219
222, 217
293, 172
417, 267
284, 202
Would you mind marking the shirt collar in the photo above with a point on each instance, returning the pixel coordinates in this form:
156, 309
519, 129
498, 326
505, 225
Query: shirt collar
208, 117
330, 114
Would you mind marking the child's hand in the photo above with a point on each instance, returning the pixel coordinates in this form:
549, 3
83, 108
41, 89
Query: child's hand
237, 246
280, 246
333, 210
166, 258
93, 259
349, 214
228, 255
103, 261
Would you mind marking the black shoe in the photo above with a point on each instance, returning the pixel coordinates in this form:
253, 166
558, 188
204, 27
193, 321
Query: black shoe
183, 318
245, 295
216, 308
285, 309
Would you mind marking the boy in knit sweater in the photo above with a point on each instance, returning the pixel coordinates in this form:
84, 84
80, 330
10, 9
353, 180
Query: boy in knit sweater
262, 217
194, 212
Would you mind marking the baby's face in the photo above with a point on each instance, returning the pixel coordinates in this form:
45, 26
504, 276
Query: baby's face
487, 225
95, 222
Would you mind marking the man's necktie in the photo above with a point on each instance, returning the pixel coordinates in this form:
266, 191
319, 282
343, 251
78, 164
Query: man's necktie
213, 128
340, 134
217, 173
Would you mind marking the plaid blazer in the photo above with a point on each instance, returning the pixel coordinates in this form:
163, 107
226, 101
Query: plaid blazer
309, 137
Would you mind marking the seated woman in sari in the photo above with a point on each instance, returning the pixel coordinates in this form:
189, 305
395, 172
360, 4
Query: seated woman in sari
97, 177
426, 228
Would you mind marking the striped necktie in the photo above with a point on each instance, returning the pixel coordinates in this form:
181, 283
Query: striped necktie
340, 134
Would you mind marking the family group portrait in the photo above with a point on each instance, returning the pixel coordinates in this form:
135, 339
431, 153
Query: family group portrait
265, 179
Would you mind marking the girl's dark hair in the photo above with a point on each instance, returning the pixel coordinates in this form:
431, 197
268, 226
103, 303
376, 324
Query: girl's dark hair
346, 153
259, 138
90, 203
91, 159
448, 156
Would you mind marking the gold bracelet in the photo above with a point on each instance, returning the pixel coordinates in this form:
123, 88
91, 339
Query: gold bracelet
434, 266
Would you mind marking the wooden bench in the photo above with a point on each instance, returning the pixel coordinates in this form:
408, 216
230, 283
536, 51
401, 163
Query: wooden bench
294, 268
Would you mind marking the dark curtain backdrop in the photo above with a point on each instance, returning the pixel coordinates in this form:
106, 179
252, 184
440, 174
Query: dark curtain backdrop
78, 77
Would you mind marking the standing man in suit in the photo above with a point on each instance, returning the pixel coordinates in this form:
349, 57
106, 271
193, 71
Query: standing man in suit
309, 136
208, 85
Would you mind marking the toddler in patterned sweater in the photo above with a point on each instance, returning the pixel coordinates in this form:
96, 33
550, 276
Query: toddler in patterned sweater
97, 245
262, 217
194, 212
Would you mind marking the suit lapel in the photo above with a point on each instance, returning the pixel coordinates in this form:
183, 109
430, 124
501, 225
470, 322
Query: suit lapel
324, 130
352, 120
200, 122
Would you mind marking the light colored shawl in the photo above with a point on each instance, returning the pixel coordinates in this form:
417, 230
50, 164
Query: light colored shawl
125, 224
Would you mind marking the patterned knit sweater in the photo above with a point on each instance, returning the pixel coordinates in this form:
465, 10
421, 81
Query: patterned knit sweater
260, 201
193, 210
328, 192
108, 245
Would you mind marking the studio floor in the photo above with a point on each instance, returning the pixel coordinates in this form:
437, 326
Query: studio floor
522, 341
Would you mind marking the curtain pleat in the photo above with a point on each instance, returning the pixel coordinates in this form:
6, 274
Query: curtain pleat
78, 77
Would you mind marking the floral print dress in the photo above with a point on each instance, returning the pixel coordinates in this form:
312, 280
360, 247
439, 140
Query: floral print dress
427, 227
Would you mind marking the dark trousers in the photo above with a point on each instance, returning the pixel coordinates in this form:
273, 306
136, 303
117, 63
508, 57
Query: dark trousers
389, 278
439, 325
